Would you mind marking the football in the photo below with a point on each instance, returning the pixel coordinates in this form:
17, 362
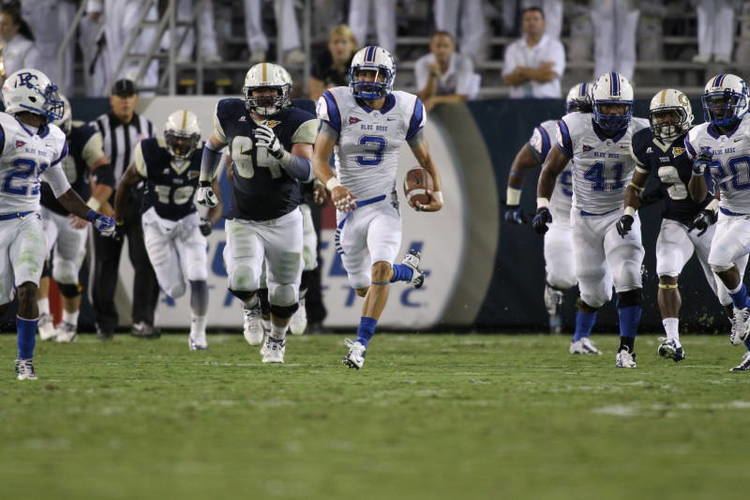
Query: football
417, 182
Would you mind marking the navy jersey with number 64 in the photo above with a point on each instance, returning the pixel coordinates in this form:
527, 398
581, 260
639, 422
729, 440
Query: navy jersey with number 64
261, 188
170, 182
672, 166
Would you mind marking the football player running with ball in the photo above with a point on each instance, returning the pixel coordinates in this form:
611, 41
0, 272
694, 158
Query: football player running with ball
32, 148
173, 231
721, 146
366, 123
607, 242
270, 143
558, 242
686, 225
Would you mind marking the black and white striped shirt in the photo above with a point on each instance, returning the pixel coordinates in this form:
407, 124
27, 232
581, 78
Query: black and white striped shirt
120, 139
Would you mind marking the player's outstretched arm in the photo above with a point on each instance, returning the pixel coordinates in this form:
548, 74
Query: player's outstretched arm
69, 199
526, 159
697, 186
421, 152
325, 141
632, 202
130, 178
553, 166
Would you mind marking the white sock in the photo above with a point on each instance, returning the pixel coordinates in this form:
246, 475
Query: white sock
278, 332
672, 327
70, 317
43, 305
197, 327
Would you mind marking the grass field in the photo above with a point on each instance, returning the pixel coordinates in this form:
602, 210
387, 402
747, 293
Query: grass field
429, 417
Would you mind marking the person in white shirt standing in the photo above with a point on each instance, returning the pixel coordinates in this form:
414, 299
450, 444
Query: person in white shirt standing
443, 75
535, 63
17, 50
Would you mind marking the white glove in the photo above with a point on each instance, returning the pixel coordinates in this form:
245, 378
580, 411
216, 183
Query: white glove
266, 138
205, 195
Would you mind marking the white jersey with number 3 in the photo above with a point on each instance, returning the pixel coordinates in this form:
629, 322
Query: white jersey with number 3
26, 156
541, 141
602, 166
730, 165
369, 140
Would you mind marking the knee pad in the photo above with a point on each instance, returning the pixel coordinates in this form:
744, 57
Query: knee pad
176, 291
284, 311
629, 298
65, 271
243, 295
243, 278
69, 291
580, 304
282, 295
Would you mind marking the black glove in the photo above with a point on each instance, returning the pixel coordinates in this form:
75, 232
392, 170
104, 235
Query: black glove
514, 214
624, 225
703, 160
541, 219
206, 227
702, 221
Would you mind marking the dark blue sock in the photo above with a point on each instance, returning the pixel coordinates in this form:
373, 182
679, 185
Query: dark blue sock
402, 272
366, 330
26, 337
630, 318
585, 322
739, 298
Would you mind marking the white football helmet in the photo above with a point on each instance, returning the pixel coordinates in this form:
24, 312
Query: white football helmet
579, 98
182, 133
670, 101
66, 120
373, 59
267, 75
612, 88
725, 100
30, 90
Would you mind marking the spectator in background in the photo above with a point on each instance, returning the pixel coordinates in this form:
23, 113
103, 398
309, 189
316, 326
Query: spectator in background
615, 24
716, 30
17, 48
331, 69
553, 14
49, 21
286, 26
534, 64
209, 46
444, 76
473, 29
385, 21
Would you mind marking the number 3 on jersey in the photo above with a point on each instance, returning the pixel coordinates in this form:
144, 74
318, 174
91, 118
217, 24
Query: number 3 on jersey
375, 146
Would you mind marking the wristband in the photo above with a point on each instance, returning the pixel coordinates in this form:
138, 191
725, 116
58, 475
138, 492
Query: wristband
637, 188
91, 215
713, 206
333, 183
93, 203
512, 196
542, 202
438, 195
630, 211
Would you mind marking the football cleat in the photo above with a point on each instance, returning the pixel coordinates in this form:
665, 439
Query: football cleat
252, 327
670, 349
740, 326
355, 358
197, 343
66, 333
25, 369
744, 364
412, 260
46, 327
584, 346
143, 330
273, 350
625, 359
298, 323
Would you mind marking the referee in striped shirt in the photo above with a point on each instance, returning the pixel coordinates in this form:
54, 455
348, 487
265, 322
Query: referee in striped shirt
122, 128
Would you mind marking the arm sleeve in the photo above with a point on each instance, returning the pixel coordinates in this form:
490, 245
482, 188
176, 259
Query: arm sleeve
564, 141
305, 133
93, 150
139, 162
55, 177
328, 111
417, 120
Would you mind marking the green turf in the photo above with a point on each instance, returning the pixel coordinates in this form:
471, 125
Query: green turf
429, 417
